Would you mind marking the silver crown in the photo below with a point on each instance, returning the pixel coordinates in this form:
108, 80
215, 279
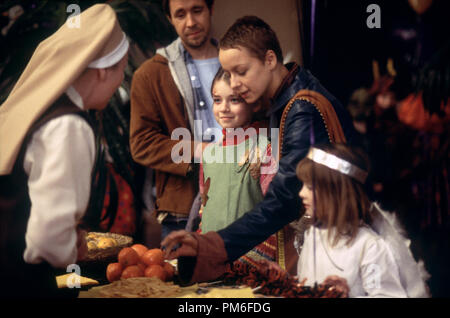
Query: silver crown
331, 161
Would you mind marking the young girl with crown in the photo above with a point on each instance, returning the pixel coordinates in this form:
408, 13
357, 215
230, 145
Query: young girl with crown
352, 243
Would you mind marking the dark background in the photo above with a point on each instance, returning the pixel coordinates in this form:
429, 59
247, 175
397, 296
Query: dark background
345, 46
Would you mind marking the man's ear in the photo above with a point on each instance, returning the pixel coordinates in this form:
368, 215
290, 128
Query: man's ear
271, 59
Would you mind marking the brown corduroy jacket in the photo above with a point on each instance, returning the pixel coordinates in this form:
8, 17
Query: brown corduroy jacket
157, 109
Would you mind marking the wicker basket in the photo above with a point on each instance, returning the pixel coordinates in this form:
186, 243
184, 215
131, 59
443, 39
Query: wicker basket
109, 253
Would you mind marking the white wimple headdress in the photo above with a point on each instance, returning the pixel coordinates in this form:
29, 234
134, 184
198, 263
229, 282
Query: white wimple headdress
336, 163
56, 64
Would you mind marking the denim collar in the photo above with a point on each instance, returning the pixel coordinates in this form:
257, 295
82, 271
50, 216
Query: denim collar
187, 56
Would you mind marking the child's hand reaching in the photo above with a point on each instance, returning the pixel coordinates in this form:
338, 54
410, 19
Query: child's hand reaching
339, 283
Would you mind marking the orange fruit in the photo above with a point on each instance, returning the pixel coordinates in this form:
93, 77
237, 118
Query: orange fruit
155, 271
153, 257
113, 272
142, 266
169, 269
140, 249
127, 257
132, 271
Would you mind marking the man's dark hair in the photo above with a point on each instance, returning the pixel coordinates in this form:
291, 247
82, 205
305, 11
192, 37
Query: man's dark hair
255, 35
166, 6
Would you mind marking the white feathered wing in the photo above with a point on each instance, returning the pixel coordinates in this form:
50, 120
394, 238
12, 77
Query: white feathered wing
413, 275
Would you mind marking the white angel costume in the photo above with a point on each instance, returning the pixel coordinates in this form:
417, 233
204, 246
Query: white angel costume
377, 263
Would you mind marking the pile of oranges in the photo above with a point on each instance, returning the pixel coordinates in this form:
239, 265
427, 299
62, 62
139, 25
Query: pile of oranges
139, 261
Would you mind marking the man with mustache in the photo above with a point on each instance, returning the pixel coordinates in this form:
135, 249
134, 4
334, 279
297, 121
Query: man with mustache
170, 91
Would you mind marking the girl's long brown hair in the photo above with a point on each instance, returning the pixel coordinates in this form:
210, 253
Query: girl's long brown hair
341, 201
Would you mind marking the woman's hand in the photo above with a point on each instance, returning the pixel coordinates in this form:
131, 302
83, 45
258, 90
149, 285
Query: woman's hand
184, 243
339, 283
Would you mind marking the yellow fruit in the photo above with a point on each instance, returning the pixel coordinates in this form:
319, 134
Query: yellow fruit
91, 246
106, 242
91, 237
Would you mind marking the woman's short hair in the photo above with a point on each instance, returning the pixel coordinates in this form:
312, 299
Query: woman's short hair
255, 35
